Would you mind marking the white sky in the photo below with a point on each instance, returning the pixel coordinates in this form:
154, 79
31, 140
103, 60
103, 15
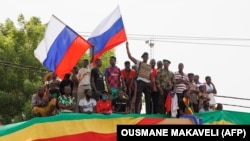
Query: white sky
227, 65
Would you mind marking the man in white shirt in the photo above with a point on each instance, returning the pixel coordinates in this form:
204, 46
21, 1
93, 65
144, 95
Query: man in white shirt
83, 77
87, 104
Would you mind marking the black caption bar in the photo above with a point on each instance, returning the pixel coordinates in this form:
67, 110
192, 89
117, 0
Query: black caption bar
163, 132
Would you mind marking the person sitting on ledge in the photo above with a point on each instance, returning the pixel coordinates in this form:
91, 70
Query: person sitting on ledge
219, 106
67, 102
120, 104
87, 104
42, 103
104, 105
205, 107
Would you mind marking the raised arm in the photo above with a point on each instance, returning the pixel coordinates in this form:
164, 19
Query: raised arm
129, 54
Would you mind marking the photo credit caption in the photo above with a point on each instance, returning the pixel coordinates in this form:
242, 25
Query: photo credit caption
162, 132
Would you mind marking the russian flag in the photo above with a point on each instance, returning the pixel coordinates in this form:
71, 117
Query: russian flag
61, 47
108, 34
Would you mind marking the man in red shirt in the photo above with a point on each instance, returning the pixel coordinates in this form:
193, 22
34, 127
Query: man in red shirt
104, 105
128, 76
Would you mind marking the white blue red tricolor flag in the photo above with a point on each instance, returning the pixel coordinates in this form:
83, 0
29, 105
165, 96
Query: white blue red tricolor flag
61, 47
108, 34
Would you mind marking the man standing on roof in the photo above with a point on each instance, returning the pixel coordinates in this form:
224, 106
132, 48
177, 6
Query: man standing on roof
165, 81
143, 81
181, 82
113, 78
83, 77
97, 80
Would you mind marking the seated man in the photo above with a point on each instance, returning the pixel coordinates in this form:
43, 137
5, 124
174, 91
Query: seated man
67, 102
43, 104
219, 106
104, 105
205, 107
120, 104
87, 104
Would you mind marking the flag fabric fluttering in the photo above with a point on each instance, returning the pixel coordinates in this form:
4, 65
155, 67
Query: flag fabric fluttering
61, 47
108, 34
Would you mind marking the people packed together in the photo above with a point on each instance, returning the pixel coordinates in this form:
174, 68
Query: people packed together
121, 90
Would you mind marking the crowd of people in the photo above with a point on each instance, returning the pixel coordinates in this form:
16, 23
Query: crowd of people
120, 90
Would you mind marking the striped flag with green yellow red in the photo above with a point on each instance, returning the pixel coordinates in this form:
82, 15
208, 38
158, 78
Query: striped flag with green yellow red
188, 109
99, 127
73, 126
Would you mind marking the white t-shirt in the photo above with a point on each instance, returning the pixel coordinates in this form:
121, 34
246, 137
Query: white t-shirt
87, 105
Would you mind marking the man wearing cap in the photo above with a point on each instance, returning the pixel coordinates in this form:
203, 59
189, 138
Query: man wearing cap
143, 81
165, 82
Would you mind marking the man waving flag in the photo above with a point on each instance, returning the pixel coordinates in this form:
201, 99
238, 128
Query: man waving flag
108, 34
61, 47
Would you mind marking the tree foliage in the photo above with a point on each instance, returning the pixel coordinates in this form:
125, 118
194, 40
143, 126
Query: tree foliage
11, 106
21, 72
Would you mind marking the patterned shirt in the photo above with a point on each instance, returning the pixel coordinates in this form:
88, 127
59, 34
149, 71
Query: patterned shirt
165, 79
180, 87
66, 100
113, 75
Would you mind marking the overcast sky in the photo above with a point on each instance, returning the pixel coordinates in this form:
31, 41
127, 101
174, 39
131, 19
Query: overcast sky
211, 37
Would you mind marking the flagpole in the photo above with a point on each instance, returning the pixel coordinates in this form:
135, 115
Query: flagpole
70, 28
59, 20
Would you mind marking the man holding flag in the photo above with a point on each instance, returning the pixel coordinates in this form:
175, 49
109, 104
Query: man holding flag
62, 47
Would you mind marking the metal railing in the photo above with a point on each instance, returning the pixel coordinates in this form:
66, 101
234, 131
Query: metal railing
234, 105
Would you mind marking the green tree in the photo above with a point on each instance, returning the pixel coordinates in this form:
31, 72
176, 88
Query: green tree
17, 48
21, 71
11, 106
105, 58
